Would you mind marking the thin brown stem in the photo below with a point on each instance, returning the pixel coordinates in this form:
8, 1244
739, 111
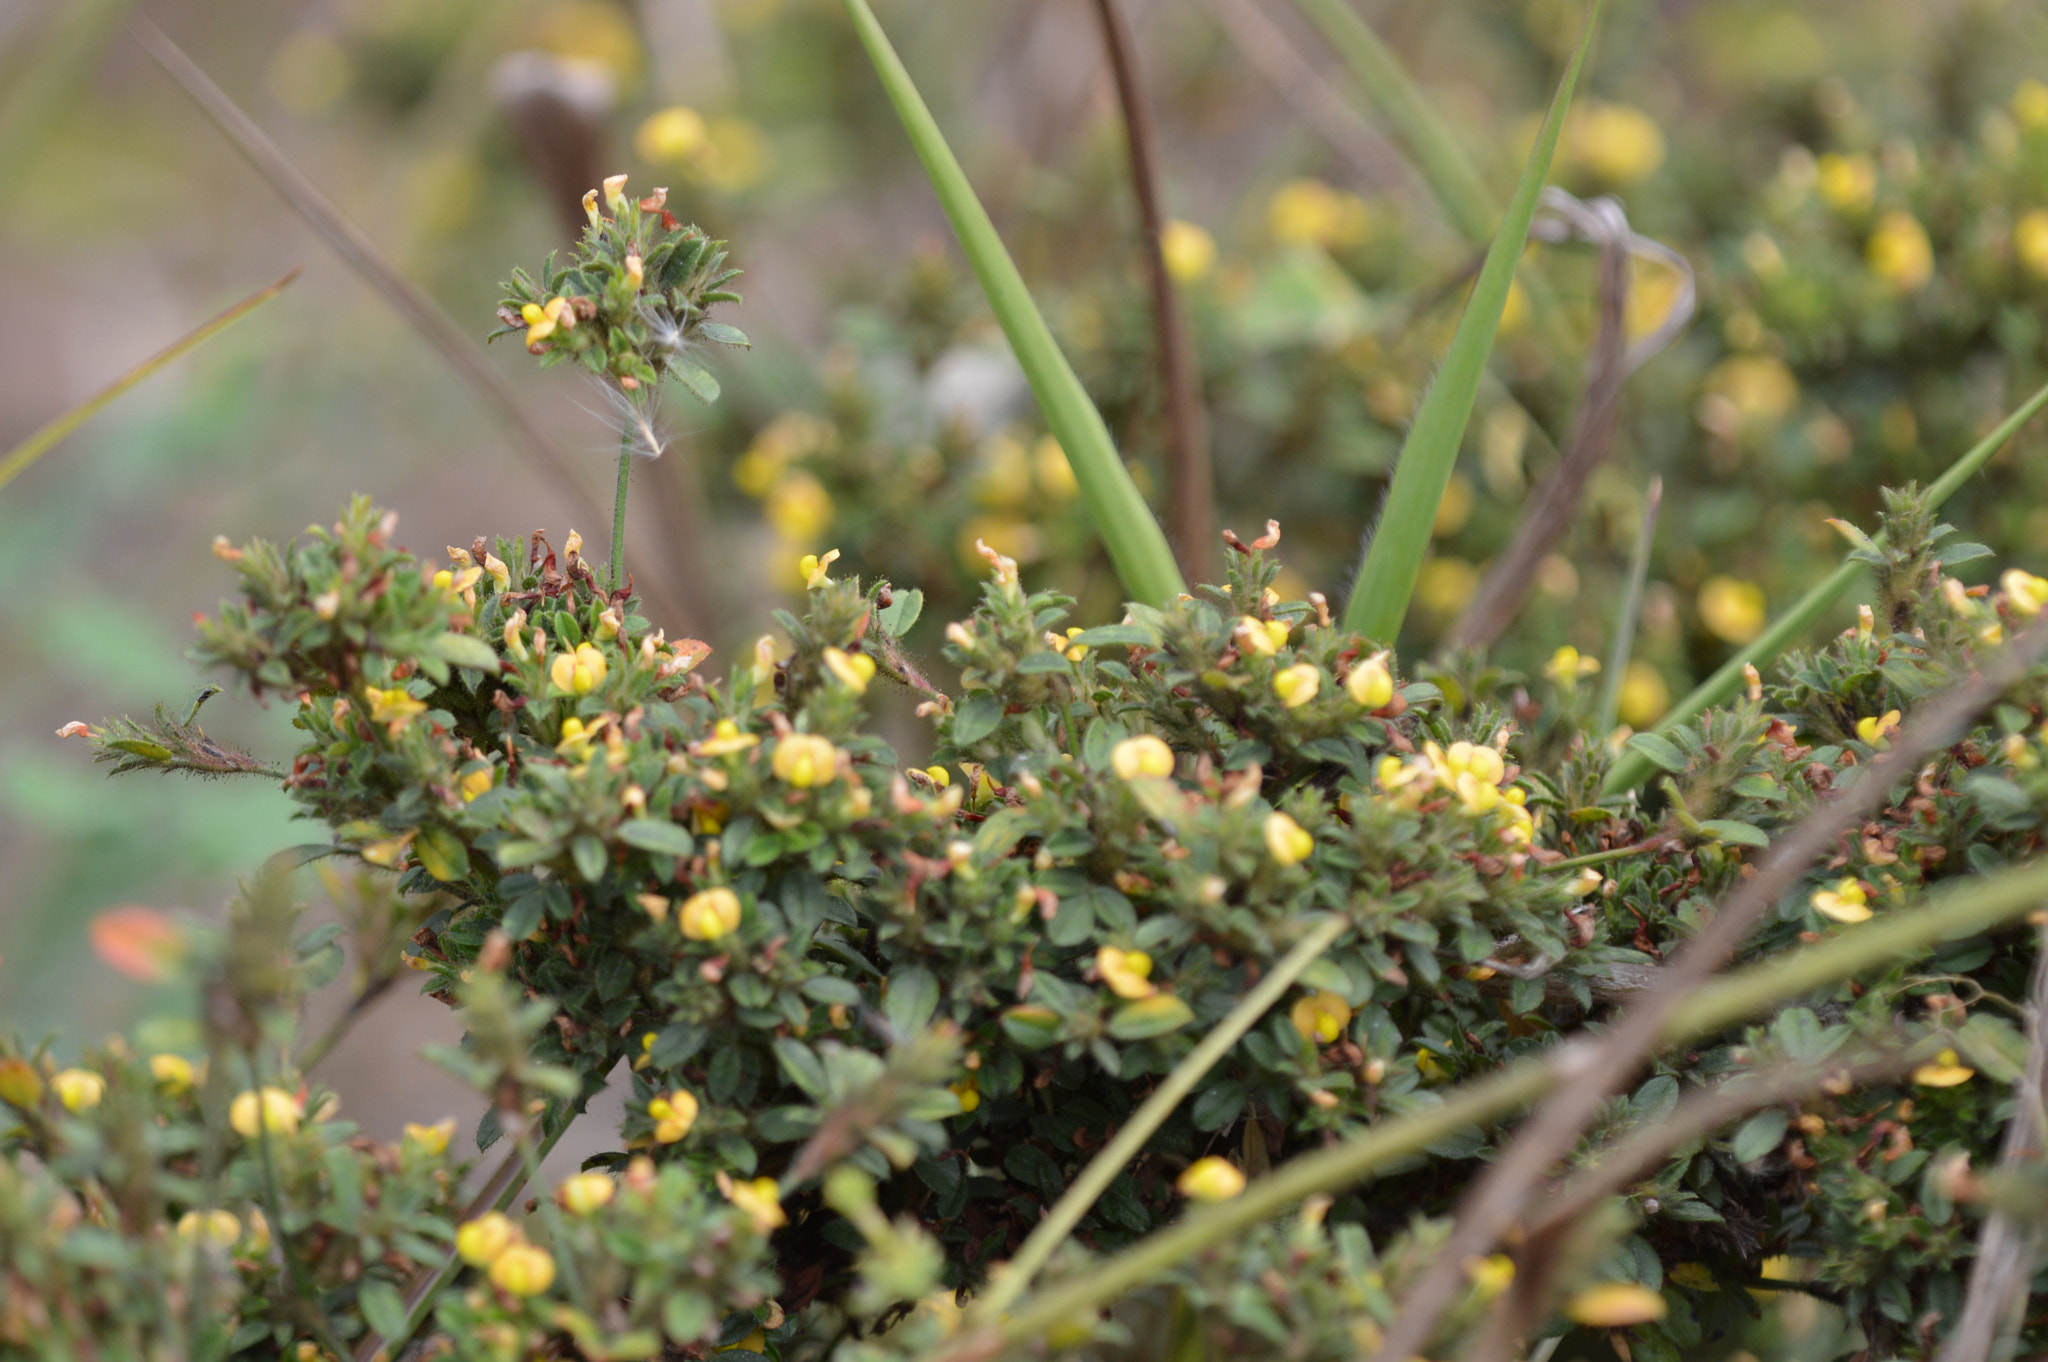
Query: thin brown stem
1192, 516
363, 256
1506, 1191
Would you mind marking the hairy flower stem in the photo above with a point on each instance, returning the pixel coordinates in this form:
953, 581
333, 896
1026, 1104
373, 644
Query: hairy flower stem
619, 511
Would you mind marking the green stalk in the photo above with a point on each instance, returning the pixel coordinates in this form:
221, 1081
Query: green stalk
1630, 614
1425, 139
47, 438
1103, 1168
1962, 909
1379, 601
1136, 545
1632, 768
619, 512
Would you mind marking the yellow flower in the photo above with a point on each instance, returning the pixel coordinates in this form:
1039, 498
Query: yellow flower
1142, 757
812, 568
515, 635
258, 1241
1644, 697
79, 1090
1189, 251
1371, 684
1846, 902
431, 1140
1287, 841
755, 1342
1876, 731
1945, 1072
1297, 685
499, 573
1128, 973
1899, 252
1490, 1275
586, 1193
580, 672
2030, 242
475, 783
670, 136
673, 1114
1477, 760
805, 760
2030, 104
523, 1270
1321, 1016
1694, 1277
173, 1073
852, 670
615, 192
1848, 183
1074, 652
1615, 142
760, 1199
1731, 608
1210, 1179
941, 777
1615, 1305
709, 914
1566, 667
799, 507
479, 1242
1264, 637
1403, 782
968, 1090
1760, 389
214, 1229
1309, 212
726, 739
264, 1110
2024, 592
1055, 474
394, 707
542, 321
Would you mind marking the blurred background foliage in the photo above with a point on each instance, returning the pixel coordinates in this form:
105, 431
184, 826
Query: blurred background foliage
1861, 190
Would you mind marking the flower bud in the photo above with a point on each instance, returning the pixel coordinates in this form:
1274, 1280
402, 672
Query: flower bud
1371, 685
80, 1090
478, 1242
1297, 685
586, 1193
523, 1270
1210, 1179
709, 914
264, 1111
1142, 757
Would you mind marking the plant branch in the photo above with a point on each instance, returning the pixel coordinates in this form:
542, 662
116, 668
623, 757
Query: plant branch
324, 1044
1193, 514
1103, 1168
1504, 1193
619, 512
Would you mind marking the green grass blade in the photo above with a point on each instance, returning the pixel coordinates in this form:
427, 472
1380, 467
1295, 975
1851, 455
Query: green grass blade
1423, 137
1630, 614
1631, 769
45, 439
1136, 544
1380, 599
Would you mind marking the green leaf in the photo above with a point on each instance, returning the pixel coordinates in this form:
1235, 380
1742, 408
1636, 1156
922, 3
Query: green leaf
721, 334
1129, 532
1759, 1135
1733, 830
590, 857
464, 651
979, 715
912, 998
657, 835
1034, 1028
902, 611
1379, 601
1659, 751
1149, 1017
697, 379
1993, 1045
1103, 635
383, 1307
137, 747
443, 854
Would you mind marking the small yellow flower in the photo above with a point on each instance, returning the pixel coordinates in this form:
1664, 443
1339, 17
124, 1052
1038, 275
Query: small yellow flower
475, 783
431, 1140
1287, 841
499, 573
805, 760
215, 1229
1645, 698
1846, 902
1758, 388
542, 321
760, 1199
1263, 637
2030, 104
1310, 212
1566, 667
1731, 608
80, 1090
258, 1240
968, 1090
615, 192
173, 1073
1297, 685
812, 568
523, 1270
2030, 242
673, 1113
1128, 973
1847, 183
709, 914
755, 1342
1189, 250
586, 1193
1616, 143
800, 509
515, 635
2024, 592
1615, 1305
1694, 1277
1210, 1179
1142, 757
1899, 252
394, 707
1321, 1016
941, 777
726, 739
1490, 1275
670, 136
580, 672
264, 1110
1403, 782
1946, 1071
852, 670
1371, 684
1876, 731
